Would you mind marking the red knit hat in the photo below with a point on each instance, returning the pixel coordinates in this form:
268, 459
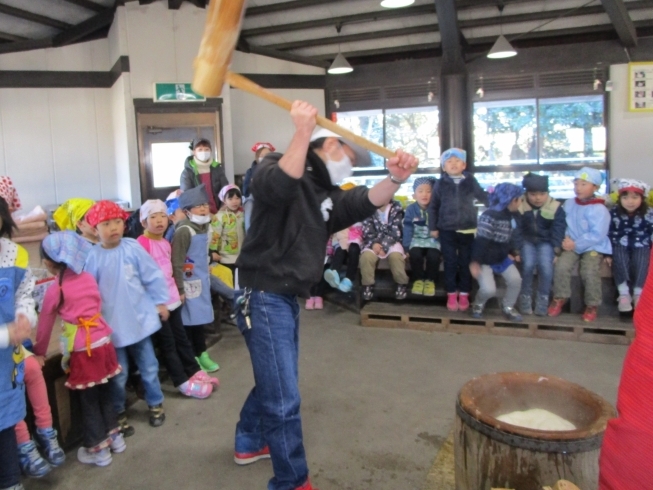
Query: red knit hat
105, 211
258, 146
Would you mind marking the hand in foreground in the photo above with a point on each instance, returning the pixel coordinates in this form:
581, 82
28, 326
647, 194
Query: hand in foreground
475, 269
377, 248
163, 312
608, 260
303, 116
182, 298
19, 330
40, 360
402, 166
435, 233
568, 244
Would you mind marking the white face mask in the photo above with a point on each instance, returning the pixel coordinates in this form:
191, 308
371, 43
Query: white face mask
260, 159
338, 171
199, 220
203, 156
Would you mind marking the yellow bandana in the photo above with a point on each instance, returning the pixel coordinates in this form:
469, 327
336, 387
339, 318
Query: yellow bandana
71, 212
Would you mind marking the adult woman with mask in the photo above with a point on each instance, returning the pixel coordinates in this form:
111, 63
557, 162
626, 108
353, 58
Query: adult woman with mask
203, 169
298, 206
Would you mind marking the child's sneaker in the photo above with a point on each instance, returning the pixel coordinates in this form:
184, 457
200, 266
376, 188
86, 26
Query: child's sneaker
206, 363
31, 462
590, 313
345, 285
477, 311
401, 292
125, 429
47, 441
196, 389
555, 308
310, 303
368, 292
452, 301
157, 415
429, 288
205, 378
625, 303
117, 443
541, 305
249, 458
525, 304
418, 287
463, 301
332, 278
319, 303
99, 458
306, 486
511, 314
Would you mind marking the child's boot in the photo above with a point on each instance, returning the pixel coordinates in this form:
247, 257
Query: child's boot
157, 415
125, 429
590, 313
525, 304
345, 285
332, 278
91, 456
511, 314
463, 301
477, 311
206, 363
625, 303
401, 291
429, 288
555, 308
31, 462
418, 287
452, 301
310, 303
47, 441
368, 293
319, 303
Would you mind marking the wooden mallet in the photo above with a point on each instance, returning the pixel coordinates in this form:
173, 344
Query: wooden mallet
221, 32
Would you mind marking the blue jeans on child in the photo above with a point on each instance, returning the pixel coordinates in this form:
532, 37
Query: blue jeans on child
270, 415
143, 354
538, 255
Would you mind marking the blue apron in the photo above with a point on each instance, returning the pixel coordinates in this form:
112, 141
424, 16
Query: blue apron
197, 309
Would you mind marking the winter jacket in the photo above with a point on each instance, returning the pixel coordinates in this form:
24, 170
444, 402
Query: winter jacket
283, 252
545, 224
631, 231
496, 237
452, 205
374, 231
416, 229
588, 224
190, 178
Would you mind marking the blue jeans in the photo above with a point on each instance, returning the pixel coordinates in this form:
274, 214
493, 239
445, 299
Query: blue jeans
143, 354
270, 415
541, 256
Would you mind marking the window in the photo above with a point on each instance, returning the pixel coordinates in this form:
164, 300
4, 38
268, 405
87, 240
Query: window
168, 163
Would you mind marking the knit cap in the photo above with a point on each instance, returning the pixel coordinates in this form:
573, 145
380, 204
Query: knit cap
535, 183
503, 194
152, 206
453, 152
631, 185
591, 175
68, 248
423, 180
193, 197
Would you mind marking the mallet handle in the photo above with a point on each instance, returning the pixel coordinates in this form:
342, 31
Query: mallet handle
242, 83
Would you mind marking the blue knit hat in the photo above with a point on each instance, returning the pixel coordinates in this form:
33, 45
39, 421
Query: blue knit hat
589, 174
423, 180
503, 194
453, 152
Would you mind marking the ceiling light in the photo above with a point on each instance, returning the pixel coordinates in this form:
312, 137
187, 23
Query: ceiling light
340, 65
395, 4
501, 49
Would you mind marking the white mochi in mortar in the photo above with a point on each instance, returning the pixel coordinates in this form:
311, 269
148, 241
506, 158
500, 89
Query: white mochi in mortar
537, 418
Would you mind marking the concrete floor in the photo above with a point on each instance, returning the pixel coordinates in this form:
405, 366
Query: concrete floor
377, 405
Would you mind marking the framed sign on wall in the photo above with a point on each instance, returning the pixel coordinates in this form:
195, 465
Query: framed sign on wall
640, 86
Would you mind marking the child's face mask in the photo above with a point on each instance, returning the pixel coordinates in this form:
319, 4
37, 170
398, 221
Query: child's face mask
199, 220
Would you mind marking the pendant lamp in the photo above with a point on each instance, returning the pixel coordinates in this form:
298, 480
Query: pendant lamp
502, 48
340, 65
395, 4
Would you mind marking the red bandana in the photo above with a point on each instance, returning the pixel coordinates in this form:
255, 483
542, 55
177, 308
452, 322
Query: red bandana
258, 146
104, 211
585, 202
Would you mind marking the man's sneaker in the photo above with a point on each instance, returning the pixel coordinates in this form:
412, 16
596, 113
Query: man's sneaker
310, 303
368, 293
206, 363
117, 443
418, 287
511, 314
205, 378
401, 291
590, 313
625, 303
319, 303
332, 278
477, 311
47, 441
249, 458
525, 304
195, 388
463, 302
306, 486
345, 285
125, 429
31, 462
99, 458
541, 303
555, 308
452, 301
429, 288
157, 415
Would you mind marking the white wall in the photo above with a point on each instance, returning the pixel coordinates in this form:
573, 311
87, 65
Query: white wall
631, 133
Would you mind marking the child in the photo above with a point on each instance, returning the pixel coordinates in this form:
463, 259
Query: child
316, 300
203, 169
17, 316
89, 356
134, 295
260, 150
542, 227
178, 353
175, 215
228, 228
190, 265
382, 239
586, 240
495, 252
418, 241
631, 228
71, 215
452, 219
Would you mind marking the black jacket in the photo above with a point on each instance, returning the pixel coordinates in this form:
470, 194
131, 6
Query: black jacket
190, 178
452, 205
247, 180
546, 224
284, 248
496, 237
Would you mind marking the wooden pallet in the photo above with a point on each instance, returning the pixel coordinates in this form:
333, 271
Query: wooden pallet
430, 318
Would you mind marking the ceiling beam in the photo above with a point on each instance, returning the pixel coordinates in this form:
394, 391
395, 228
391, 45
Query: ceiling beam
28, 45
84, 29
199, 3
87, 4
32, 17
622, 22
282, 55
286, 6
174, 4
10, 37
